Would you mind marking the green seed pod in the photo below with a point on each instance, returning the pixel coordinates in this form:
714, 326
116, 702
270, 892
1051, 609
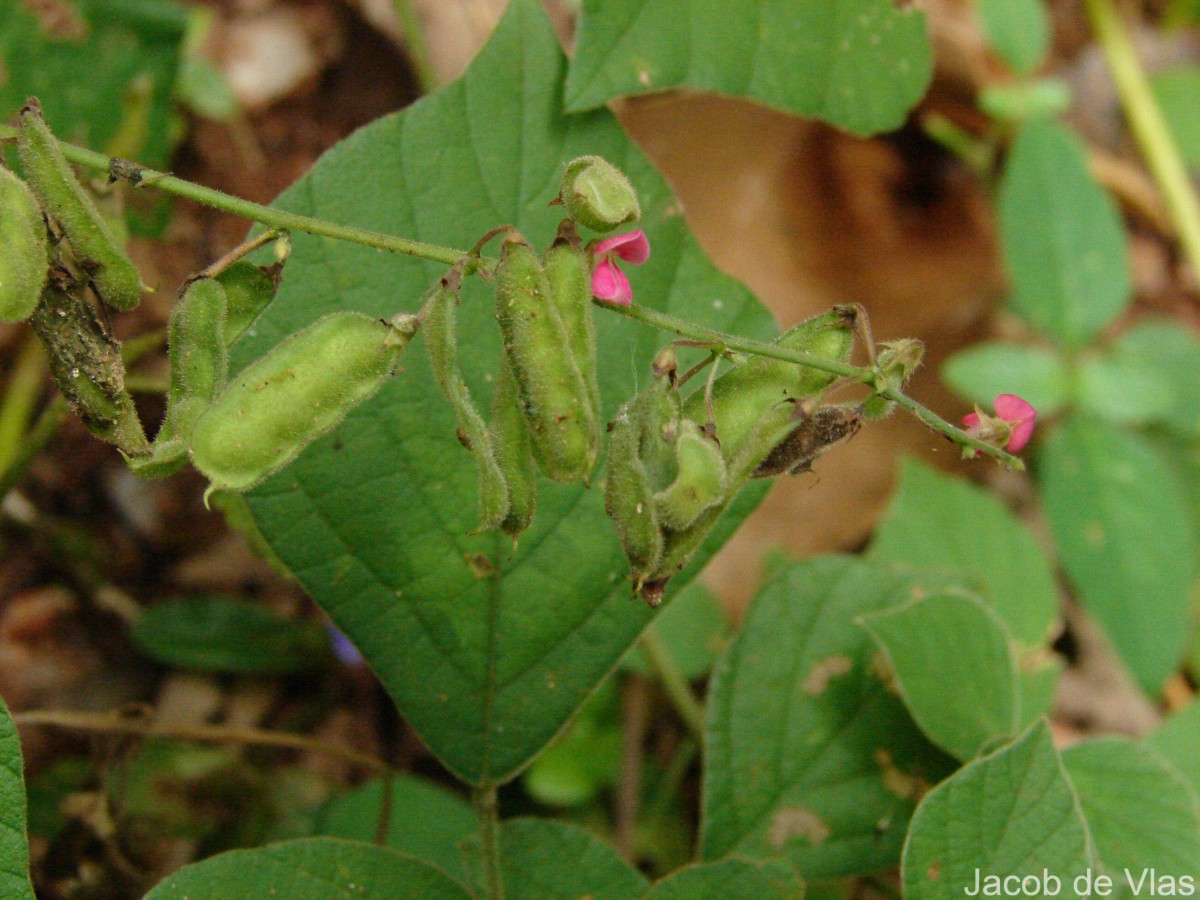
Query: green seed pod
562, 425
295, 394
86, 364
597, 194
569, 274
248, 290
510, 440
744, 393
62, 197
699, 483
628, 493
24, 261
441, 341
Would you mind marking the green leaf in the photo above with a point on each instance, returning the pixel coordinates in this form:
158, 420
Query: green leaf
729, 878
808, 752
425, 821
858, 64
1063, 239
585, 758
1177, 91
1172, 352
558, 861
947, 524
14, 846
1142, 814
1010, 813
223, 634
695, 630
1177, 739
375, 518
1125, 390
951, 659
1037, 374
1018, 30
1125, 540
310, 869
104, 71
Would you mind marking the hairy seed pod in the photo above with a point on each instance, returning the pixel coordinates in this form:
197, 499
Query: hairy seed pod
441, 341
295, 394
24, 261
99, 254
569, 274
248, 291
562, 426
86, 364
598, 194
628, 493
510, 440
744, 393
815, 433
699, 482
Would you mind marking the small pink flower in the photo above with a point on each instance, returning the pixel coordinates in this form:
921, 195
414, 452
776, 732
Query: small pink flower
608, 281
1012, 423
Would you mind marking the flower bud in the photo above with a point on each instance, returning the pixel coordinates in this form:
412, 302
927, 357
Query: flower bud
597, 194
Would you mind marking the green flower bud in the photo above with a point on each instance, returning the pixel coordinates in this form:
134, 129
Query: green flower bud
441, 341
23, 262
85, 362
295, 394
510, 440
113, 275
248, 290
597, 194
563, 428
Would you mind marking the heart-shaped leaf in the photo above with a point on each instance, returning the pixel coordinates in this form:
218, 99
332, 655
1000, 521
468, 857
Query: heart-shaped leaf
858, 64
486, 651
808, 752
311, 869
1011, 813
14, 846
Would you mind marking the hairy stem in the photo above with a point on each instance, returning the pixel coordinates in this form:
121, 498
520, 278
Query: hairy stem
1149, 127
678, 690
484, 799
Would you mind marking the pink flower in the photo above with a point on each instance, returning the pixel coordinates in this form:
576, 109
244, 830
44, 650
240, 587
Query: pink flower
1013, 422
608, 281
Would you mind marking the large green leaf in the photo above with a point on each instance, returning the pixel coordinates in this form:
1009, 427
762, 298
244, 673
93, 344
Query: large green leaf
953, 664
1177, 739
559, 861
939, 522
311, 869
14, 846
1037, 374
1125, 539
1142, 814
103, 69
1011, 813
808, 752
486, 651
730, 878
858, 64
1064, 242
425, 821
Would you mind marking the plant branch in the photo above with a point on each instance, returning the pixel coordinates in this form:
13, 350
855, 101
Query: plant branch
484, 800
678, 690
116, 723
1149, 127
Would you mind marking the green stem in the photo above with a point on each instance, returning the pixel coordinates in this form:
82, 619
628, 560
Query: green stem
678, 690
418, 47
1149, 128
24, 386
484, 799
866, 375
273, 218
